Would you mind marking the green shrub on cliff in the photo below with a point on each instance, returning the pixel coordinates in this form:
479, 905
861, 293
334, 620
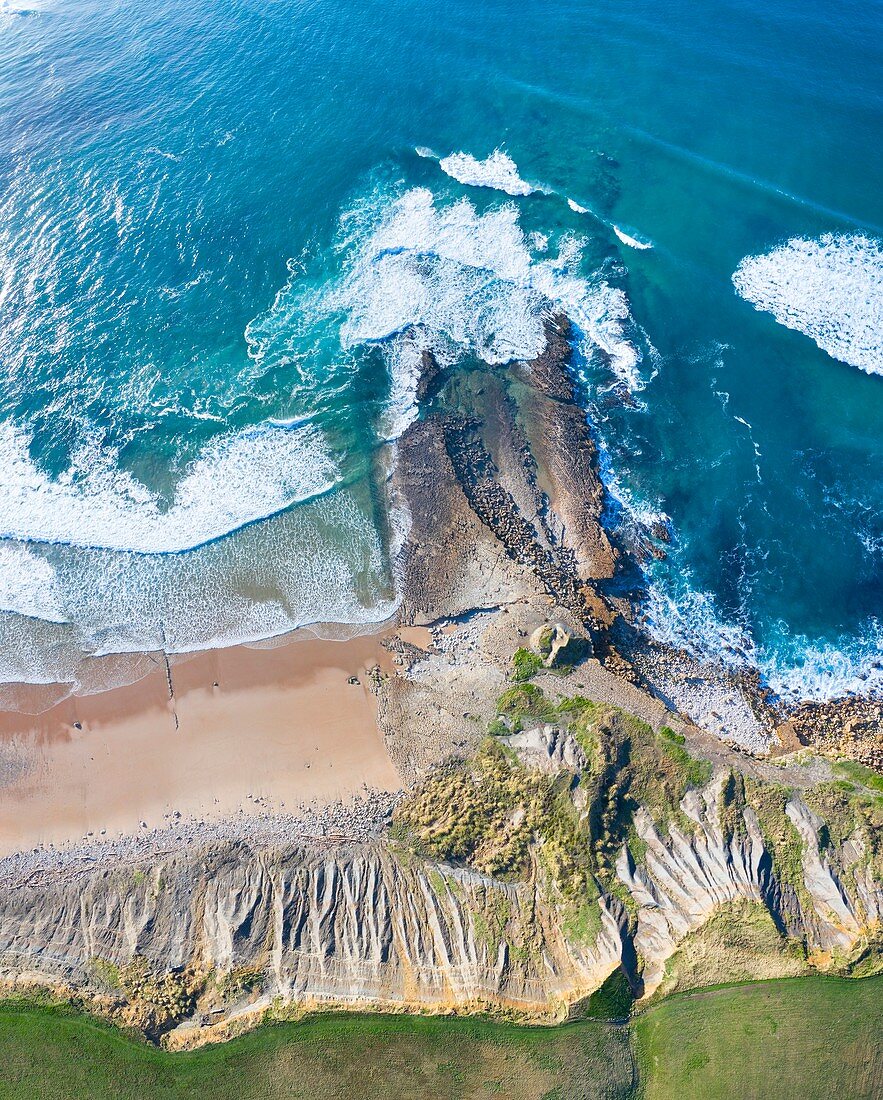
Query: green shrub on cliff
524, 703
487, 812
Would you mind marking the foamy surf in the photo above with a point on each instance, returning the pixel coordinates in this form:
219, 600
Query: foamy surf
28, 584
238, 479
576, 208
470, 284
498, 171
419, 274
795, 667
322, 563
830, 289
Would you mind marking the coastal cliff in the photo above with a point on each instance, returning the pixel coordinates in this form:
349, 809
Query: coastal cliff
715, 887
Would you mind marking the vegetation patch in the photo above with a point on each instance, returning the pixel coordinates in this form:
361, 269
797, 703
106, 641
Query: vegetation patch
525, 665
768, 800
56, 1054
525, 703
811, 1038
740, 942
105, 974
240, 982
488, 811
613, 1001
156, 1001
854, 772
732, 806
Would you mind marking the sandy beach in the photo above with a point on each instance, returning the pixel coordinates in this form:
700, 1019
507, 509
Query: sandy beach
247, 729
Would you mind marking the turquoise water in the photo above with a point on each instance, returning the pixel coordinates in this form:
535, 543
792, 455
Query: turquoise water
220, 248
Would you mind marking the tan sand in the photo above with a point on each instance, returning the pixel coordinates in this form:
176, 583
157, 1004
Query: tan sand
257, 730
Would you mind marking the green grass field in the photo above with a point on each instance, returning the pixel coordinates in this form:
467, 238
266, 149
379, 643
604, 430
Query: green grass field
52, 1053
807, 1038
801, 1038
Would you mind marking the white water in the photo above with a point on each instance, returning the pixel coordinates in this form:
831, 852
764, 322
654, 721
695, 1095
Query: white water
632, 242
830, 289
238, 479
498, 171
795, 667
316, 564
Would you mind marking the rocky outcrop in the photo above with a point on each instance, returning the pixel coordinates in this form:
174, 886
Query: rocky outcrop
372, 925
469, 567
566, 455
850, 727
547, 748
500, 482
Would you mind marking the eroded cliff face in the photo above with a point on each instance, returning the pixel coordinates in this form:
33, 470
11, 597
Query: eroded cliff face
241, 929
361, 925
829, 902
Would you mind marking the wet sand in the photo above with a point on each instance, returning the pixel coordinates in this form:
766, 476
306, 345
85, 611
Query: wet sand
250, 729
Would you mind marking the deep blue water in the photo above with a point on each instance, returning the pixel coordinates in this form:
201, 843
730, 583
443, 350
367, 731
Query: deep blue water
215, 229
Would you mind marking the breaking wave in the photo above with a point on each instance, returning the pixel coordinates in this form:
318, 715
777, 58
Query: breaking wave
795, 666
317, 564
238, 479
28, 584
498, 171
632, 242
830, 289
418, 274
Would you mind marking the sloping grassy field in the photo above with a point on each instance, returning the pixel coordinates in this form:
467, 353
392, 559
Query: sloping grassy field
802, 1038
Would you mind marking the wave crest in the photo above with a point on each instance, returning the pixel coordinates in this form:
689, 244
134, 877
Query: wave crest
238, 479
498, 171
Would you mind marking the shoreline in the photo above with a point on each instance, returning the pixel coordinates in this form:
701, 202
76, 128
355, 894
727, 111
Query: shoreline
244, 731
267, 850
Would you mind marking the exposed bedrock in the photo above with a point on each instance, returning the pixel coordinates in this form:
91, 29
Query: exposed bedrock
501, 483
368, 924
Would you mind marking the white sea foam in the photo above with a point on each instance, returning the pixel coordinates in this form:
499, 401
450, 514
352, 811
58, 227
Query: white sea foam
322, 563
830, 289
687, 618
28, 584
469, 282
795, 666
576, 208
238, 479
498, 171
632, 242
826, 670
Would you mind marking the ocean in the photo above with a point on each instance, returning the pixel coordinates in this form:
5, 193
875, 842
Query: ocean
227, 231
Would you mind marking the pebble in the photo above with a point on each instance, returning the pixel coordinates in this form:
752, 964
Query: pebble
358, 821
